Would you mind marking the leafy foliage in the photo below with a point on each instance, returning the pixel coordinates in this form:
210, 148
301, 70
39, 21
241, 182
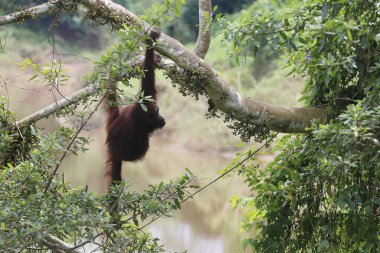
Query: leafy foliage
321, 193
190, 17
331, 43
36, 202
77, 215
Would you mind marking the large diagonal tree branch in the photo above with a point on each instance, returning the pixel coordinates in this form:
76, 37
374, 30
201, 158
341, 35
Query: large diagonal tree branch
223, 96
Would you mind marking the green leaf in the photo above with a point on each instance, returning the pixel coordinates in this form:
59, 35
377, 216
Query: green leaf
349, 35
295, 176
283, 35
328, 76
135, 221
90, 234
177, 204
177, 8
143, 107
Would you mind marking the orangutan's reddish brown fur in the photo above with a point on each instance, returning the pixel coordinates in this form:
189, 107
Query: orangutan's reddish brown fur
128, 129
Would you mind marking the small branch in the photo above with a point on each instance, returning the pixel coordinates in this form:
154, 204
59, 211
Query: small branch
57, 244
32, 12
204, 34
69, 100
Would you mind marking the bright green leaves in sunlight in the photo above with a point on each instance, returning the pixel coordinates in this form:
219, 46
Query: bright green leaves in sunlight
52, 73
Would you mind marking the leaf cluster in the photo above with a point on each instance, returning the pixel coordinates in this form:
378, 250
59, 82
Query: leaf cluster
15, 142
334, 45
321, 193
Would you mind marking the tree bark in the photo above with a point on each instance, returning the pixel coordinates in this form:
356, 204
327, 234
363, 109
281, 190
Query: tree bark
50, 109
204, 34
32, 12
57, 244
